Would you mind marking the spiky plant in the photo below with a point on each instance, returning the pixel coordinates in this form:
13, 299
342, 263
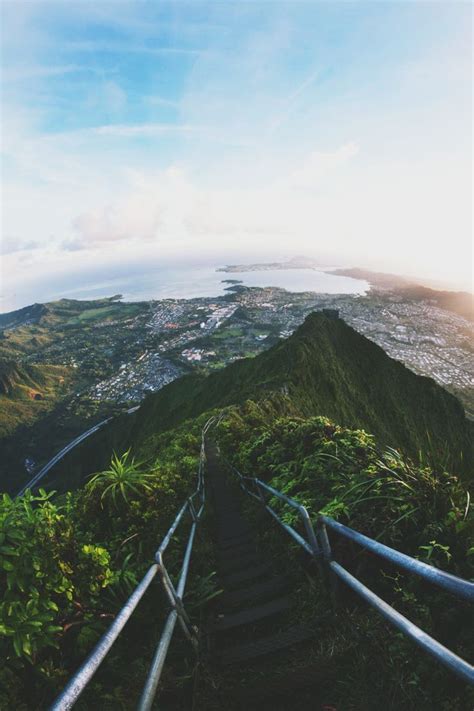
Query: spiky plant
124, 477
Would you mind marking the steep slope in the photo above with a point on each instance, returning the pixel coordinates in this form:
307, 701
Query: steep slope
17, 381
26, 391
22, 317
327, 368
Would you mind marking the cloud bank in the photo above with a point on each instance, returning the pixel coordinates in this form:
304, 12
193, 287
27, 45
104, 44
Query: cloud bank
145, 132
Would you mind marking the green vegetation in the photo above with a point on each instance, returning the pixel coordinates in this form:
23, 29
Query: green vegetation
50, 354
327, 368
423, 512
28, 392
68, 563
299, 417
124, 477
340, 472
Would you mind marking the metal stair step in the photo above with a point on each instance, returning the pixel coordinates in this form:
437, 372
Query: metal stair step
313, 677
256, 571
229, 543
267, 645
268, 588
251, 614
238, 551
233, 519
235, 563
232, 522
227, 511
229, 529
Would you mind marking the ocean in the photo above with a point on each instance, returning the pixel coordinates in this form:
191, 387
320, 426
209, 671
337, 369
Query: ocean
178, 281
184, 282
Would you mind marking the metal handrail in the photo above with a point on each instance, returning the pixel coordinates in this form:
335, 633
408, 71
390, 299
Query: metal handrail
62, 453
311, 546
82, 677
457, 586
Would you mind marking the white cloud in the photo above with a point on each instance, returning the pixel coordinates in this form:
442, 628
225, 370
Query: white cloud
146, 129
319, 166
171, 205
21, 73
160, 101
393, 215
128, 48
261, 156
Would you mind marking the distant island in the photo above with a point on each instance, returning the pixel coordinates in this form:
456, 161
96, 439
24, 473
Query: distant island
294, 263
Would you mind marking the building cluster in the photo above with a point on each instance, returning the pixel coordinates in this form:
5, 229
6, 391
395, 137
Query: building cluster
129, 357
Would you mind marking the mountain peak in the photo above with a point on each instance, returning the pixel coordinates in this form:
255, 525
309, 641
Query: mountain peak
328, 368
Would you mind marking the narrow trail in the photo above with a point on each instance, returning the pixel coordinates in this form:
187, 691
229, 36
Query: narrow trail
266, 642
251, 624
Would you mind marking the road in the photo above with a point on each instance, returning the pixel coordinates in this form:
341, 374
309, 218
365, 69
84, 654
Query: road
57, 457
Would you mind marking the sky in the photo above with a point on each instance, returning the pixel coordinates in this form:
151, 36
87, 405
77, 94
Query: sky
148, 132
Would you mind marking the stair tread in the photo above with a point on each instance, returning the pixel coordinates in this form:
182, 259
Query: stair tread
238, 551
255, 571
281, 685
251, 614
233, 564
233, 542
233, 530
255, 591
267, 645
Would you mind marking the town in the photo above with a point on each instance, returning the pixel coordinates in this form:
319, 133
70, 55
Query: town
209, 334
116, 353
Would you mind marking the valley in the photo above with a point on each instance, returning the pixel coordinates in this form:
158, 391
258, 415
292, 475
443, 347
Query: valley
108, 355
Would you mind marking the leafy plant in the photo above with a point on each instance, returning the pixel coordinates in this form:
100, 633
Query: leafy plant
125, 476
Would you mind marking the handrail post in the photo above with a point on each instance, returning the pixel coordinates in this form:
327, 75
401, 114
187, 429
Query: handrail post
327, 557
176, 601
313, 541
260, 493
192, 510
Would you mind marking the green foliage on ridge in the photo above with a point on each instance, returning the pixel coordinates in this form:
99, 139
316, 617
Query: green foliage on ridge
327, 368
68, 563
424, 512
341, 472
297, 416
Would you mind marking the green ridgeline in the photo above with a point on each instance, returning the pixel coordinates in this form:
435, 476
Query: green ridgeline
68, 563
327, 368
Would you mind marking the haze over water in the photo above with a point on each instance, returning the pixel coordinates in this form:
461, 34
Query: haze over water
136, 130
187, 282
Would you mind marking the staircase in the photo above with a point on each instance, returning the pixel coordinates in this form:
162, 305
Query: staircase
250, 631
260, 655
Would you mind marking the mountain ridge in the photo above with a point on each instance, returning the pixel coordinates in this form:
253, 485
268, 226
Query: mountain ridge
327, 368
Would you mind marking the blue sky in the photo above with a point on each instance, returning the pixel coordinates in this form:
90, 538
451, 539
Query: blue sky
146, 129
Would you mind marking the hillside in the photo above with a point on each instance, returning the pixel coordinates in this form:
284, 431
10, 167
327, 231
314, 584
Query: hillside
85, 551
22, 317
327, 368
28, 392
